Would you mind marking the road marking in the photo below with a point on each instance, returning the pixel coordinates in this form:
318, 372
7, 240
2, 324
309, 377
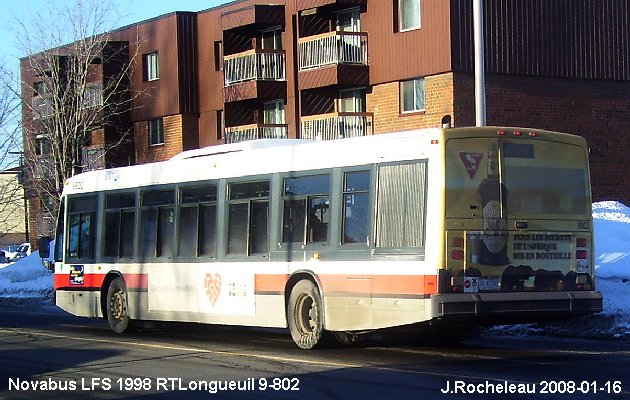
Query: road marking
189, 349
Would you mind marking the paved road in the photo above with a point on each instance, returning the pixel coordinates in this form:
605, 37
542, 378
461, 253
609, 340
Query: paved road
42, 348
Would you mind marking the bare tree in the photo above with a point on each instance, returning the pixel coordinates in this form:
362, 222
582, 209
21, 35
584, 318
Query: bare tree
12, 212
76, 96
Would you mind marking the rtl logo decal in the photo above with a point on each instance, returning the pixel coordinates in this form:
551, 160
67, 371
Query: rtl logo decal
471, 162
213, 286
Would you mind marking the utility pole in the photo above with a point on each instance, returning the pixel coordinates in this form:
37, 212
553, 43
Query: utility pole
480, 77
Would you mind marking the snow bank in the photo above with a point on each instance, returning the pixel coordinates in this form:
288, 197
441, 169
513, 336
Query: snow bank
26, 278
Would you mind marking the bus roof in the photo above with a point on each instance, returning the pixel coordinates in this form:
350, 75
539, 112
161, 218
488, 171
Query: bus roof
266, 156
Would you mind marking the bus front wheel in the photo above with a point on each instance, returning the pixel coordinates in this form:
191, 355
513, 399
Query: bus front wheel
306, 315
117, 309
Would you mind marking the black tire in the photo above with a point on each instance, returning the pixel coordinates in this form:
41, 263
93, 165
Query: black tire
117, 307
305, 315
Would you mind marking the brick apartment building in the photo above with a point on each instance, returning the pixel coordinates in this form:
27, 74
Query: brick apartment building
330, 69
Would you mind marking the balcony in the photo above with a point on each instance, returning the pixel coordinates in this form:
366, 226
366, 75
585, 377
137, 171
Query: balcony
255, 74
243, 133
334, 58
337, 126
259, 64
93, 157
333, 48
42, 106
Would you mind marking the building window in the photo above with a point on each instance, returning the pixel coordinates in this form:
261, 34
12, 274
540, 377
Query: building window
156, 131
408, 14
40, 88
273, 112
151, 66
218, 56
271, 39
412, 95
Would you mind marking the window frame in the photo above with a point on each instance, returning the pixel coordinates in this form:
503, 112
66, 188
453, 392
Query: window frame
400, 16
155, 209
151, 66
119, 212
156, 131
402, 96
197, 206
251, 202
369, 193
91, 233
308, 198
379, 232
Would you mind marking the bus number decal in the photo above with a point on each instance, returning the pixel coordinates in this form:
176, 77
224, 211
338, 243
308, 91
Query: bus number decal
584, 225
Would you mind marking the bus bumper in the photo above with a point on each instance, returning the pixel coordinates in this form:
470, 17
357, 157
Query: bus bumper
521, 307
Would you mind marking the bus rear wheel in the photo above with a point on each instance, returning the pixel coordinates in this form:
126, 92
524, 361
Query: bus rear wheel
306, 315
117, 309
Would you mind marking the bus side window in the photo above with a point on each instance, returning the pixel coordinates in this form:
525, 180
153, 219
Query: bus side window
401, 208
157, 222
306, 215
248, 218
120, 216
356, 209
81, 218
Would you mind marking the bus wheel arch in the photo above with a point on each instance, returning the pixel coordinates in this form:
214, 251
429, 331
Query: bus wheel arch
305, 312
114, 303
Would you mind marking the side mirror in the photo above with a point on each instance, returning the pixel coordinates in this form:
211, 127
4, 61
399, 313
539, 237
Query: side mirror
43, 244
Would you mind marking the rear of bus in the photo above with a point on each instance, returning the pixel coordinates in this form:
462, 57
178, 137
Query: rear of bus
519, 232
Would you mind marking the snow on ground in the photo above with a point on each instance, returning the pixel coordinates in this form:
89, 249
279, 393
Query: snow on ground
28, 278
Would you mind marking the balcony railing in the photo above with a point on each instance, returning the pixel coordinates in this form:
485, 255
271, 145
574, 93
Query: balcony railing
42, 106
260, 64
243, 133
93, 158
337, 126
333, 48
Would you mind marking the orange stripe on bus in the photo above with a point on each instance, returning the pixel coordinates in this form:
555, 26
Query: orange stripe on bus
380, 284
92, 281
270, 282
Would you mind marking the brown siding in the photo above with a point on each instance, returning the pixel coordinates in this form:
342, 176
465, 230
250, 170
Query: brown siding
162, 97
187, 60
253, 14
563, 38
395, 56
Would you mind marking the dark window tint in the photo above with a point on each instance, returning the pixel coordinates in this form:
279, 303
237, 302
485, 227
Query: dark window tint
356, 211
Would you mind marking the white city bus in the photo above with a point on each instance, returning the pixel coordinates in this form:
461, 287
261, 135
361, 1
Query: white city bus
443, 227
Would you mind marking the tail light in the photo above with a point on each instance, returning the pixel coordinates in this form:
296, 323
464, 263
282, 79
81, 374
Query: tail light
581, 253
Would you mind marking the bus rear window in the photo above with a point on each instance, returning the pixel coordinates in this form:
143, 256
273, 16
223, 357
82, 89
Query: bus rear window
538, 178
553, 181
